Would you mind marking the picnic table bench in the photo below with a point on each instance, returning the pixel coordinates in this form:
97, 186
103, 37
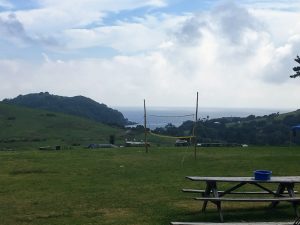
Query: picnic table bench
254, 223
285, 191
296, 222
234, 192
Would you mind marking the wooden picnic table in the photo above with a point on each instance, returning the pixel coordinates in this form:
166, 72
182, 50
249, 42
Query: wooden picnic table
284, 192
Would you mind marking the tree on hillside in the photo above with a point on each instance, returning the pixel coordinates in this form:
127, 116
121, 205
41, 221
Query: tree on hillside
296, 69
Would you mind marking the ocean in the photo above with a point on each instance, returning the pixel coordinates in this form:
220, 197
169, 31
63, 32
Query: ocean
161, 116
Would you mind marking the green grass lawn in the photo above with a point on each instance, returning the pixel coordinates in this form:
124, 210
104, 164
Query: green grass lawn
128, 186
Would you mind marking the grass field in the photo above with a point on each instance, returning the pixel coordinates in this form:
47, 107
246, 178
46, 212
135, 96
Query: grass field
128, 186
23, 127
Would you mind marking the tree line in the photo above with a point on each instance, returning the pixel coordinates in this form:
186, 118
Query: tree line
273, 129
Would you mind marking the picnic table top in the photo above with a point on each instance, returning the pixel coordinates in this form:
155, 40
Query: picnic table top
274, 179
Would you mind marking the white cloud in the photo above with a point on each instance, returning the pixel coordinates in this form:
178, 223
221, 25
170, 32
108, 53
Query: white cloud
11, 29
279, 67
102, 5
125, 37
55, 22
234, 56
280, 24
104, 80
278, 5
158, 77
5, 4
54, 16
142, 34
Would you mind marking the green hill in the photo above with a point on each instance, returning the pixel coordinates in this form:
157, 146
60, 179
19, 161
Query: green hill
25, 127
78, 106
274, 129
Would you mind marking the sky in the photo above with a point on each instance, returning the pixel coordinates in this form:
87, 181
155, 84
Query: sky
236, 54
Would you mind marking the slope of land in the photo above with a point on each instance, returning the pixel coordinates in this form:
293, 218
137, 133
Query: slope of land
21, 126
78, 106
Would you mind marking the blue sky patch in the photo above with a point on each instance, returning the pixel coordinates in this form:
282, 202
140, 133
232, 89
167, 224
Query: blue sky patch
24, 4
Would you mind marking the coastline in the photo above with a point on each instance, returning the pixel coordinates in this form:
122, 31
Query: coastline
157, 116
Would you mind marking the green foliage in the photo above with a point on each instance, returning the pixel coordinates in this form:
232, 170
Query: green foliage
128, 186
273, 129
78, 106
296, 69
33, 127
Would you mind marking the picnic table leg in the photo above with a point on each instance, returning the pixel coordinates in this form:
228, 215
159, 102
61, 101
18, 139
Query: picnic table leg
290, 189
218, 203
206, 194
279, 191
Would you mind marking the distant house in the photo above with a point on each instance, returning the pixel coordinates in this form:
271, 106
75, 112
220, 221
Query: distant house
57, 147
295, 129
135, 144
211, 144
101, 146
181, 142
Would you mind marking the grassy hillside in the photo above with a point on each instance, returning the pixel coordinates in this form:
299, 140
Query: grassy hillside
23, 127
77, 106
129, 187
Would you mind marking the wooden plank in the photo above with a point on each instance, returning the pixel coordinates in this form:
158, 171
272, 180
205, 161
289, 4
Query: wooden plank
244, 223
192, 190
287, 199
236, 192
274, 179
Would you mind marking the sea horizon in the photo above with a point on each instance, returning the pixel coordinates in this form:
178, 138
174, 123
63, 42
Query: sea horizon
161, 116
